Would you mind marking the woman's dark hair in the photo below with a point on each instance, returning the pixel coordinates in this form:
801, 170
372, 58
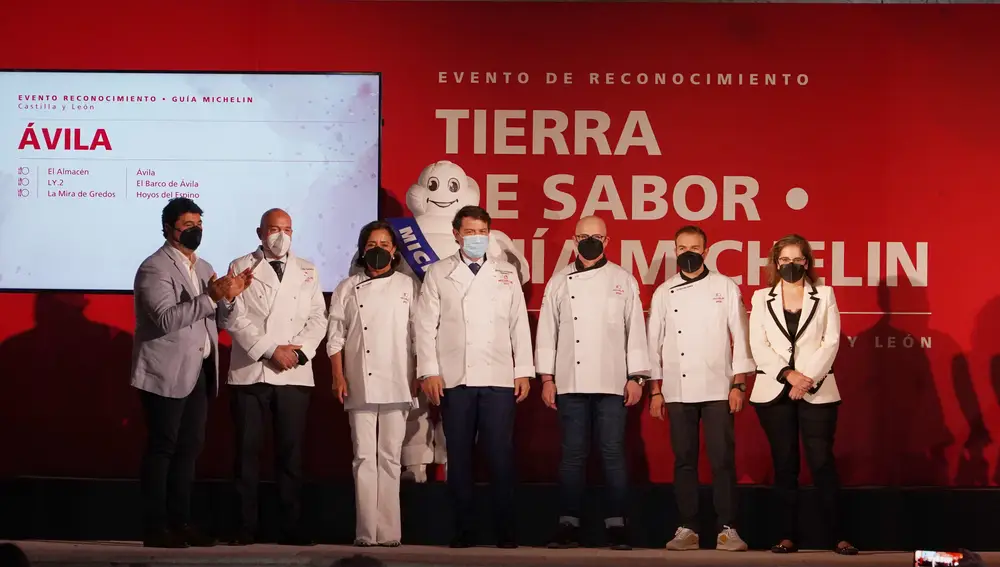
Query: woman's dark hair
12, 556
366, 233
773, 277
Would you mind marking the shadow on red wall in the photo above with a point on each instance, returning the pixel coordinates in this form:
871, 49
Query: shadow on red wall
67, 408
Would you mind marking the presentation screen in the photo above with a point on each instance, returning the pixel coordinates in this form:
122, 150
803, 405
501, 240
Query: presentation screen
91, 158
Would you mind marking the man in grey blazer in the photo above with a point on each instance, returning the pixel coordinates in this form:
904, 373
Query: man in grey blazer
175, 366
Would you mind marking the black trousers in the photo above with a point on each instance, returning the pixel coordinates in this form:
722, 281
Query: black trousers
175, 430
489, 411
783, 421
685, 426
288, 406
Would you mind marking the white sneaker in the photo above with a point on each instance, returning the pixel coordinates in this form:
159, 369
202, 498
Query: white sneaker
729, 540
414, 473
684, 540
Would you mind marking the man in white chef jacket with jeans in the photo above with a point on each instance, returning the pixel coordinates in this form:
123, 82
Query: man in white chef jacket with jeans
591, 353
474, 359
699, 344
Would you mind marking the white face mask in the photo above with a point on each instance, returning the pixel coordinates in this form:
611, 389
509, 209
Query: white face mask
278, 244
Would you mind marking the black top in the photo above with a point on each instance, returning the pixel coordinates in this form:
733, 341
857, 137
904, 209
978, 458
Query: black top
792, 322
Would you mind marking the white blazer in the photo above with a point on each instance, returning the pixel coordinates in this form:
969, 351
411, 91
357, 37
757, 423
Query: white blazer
591, 331
271, 313
472, 329
698, 337
815, 344
370, 321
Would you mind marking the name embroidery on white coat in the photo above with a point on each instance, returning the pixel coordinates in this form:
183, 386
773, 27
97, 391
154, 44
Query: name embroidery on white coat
308, 275
719, 298
405, 298
618, 290
504, 277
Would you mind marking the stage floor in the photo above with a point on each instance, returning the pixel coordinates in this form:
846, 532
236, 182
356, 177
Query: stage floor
93, 554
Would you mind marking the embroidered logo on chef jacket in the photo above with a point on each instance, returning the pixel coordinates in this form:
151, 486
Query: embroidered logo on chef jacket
308, 275
504, 277
405, 298
618, 290
719, 298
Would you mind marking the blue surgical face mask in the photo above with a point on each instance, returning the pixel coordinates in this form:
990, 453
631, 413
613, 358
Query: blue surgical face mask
475, 245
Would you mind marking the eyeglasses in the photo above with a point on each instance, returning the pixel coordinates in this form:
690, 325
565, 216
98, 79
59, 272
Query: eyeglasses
580, 237
782, 261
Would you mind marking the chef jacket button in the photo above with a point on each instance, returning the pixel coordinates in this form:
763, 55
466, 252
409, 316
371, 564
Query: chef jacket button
572, 297
578, 362
366, 328
678, 332
369, 352
574, 318
577, 340
682, 354
671, 291
361, 306
369, 373
675, 311
684, 375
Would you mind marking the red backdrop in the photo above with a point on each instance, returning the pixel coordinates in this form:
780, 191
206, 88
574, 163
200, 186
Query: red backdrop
882, 118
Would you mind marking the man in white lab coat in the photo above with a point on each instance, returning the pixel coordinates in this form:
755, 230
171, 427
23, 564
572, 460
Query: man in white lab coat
591, 353
474, 360
276, 325
699, 344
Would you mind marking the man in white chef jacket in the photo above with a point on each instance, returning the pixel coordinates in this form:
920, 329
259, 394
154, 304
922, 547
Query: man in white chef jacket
699, 344
276, 325
474, 359
591, 353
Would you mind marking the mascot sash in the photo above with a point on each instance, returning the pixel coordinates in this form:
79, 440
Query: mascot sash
415, 250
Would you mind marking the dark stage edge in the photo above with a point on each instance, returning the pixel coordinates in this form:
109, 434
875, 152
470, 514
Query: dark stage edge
116, 554
880, 519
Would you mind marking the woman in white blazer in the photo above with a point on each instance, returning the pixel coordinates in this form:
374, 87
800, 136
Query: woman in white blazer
370, 343
794, 338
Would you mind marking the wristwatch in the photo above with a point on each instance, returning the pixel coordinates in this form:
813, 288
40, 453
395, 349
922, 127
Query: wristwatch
641, 380
742, 386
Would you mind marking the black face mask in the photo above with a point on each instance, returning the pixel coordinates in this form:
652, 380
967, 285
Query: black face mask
377, 258
690, 262
792, 273
190, 238
590, 248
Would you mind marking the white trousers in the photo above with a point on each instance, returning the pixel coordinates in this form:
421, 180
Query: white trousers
424, 442
377, 432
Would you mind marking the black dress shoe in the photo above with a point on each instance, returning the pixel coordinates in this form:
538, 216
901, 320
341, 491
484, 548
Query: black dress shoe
566, 537
618, 538
164, 539
846, 549
296, 539
194, 538
782, 549
462, 541
245, 537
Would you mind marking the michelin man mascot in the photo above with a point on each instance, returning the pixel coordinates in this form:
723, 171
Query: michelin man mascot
441, 190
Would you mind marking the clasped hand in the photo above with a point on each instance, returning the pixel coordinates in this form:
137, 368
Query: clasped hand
285, 357
801, 384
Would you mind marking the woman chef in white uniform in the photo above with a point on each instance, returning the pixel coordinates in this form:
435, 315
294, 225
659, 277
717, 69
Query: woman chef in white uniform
370, 343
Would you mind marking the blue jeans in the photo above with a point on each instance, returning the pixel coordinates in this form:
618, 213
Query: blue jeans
605, 414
